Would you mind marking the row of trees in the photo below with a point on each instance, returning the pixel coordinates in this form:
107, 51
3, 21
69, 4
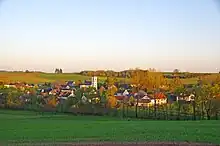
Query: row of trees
128, 73
58, 71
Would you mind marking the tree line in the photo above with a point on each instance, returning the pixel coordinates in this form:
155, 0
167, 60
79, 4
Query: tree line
128, 73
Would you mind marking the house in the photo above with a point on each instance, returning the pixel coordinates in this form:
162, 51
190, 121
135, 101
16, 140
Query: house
85, 85
29, 85
144, 101
187, 98
70, 83
10, 85
149, 100
122, 95
93, 83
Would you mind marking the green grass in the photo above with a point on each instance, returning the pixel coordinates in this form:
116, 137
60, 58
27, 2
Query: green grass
21, 126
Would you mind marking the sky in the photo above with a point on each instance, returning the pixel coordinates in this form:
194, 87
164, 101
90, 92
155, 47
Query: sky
80, 35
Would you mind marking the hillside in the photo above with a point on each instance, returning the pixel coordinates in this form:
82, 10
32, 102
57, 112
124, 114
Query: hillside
52, 77
40, 77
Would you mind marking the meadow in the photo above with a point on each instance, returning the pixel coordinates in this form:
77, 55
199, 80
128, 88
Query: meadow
41, 77
26, 126
52, 77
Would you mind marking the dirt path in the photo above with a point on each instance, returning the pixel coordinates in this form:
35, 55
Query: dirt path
114, 144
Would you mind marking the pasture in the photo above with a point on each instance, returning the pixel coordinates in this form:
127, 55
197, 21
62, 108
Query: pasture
41, 77
52, 77
25, 126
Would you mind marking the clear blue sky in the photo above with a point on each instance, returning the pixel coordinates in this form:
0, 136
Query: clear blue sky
110, 34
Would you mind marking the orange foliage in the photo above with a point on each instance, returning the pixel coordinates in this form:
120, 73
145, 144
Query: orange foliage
112, 101
52, 101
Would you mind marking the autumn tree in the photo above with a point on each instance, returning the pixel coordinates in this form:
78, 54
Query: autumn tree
110, 81
175, 83
210, 79
52, 101
78, 82
211, 99
147, 80
112, 89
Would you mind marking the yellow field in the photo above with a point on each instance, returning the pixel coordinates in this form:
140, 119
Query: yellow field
51, 77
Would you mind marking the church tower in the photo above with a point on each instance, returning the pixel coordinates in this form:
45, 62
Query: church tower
94, 82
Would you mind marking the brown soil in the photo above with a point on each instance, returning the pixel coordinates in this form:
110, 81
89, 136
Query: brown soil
117, 144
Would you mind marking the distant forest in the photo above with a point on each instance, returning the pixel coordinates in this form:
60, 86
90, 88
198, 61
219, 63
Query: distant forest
128, 74
125, 73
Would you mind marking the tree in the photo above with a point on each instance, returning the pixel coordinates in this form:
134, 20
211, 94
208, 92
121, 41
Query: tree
131, 101
101, 90
52, 101
112, 101
78, 82
211, 99
180, 92
57, 71
60, 71
147, 80
210, 79
199, 99
13, 98
176, 71
175, 83
103, 98
110, 81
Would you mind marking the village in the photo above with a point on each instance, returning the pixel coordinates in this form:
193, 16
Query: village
90, 90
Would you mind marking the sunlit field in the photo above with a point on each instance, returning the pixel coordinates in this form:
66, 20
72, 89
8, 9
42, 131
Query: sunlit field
51, 77
41, 77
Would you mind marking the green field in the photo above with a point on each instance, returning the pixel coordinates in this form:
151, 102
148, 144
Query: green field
52, 77
41, 77
23, 126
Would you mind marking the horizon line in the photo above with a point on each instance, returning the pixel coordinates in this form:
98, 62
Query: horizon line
76, 72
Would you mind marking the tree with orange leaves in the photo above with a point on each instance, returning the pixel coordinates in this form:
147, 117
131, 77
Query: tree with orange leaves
112, 89
147, 80
52, 101
112, 101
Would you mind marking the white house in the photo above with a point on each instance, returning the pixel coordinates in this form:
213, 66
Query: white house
94, 83
10, 86
191, 97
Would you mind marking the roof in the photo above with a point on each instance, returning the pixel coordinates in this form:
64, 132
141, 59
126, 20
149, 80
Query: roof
87, 84
159, 95
69, 82
121, 97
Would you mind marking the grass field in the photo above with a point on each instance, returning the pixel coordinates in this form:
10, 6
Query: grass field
51, 77
23, 126
41, 77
